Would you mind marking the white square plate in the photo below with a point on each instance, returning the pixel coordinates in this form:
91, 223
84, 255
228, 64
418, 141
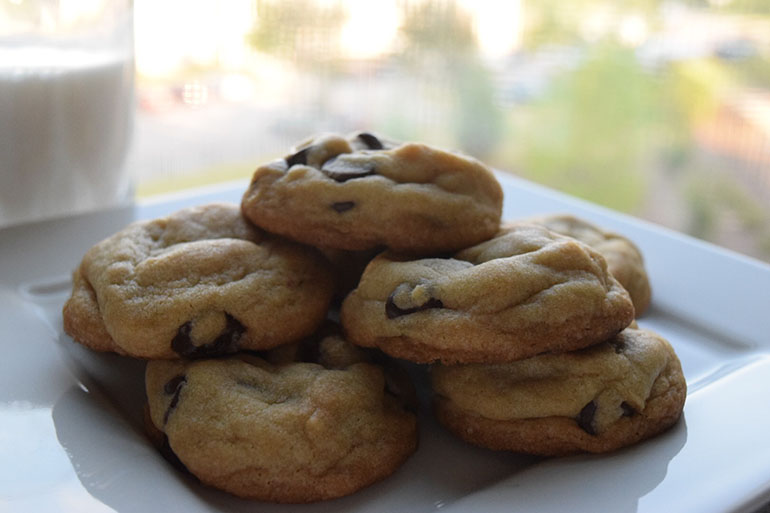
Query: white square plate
70, 420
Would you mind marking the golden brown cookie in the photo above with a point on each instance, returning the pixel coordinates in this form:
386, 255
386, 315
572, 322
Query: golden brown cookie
594, 400
525, 292
362, 192
289, 431
624, 259
200, 282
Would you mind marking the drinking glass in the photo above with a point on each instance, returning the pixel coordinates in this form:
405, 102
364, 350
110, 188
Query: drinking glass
66, 106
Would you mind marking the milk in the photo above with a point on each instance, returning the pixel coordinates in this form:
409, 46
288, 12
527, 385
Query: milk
66, 118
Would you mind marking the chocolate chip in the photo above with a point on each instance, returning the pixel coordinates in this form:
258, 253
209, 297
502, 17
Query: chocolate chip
370, 141
174, 386
585, 418
392, 310
226, 342
298, 158
181, 342
342, 169
628, 410
343, 206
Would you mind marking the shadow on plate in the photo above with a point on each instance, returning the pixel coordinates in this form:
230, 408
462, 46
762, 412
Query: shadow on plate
611, 482
101, 428
101, 432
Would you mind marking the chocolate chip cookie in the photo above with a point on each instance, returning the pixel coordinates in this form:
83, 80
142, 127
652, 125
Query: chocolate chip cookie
200, 282
280, 429
624, 259
597, 399
361, 192
524, 292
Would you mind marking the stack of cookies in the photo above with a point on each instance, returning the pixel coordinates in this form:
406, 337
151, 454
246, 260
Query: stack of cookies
527, 328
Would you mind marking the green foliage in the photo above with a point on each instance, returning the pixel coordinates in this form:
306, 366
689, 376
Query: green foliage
477, 116
589, 133
699, 196
712, 196
753, 71
436, 26
747, 6
694, 89
440, 46
298, 30
558, 22
598, 130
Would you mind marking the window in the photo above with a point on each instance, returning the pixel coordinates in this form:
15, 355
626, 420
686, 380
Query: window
657, 108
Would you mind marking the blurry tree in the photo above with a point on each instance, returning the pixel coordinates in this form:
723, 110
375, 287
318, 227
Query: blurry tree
691, 92
600, 130
478, 120
714, 198
589, 134
548, 22
590, 130
305, 33
436, 28
440, 47
744, 6
302, 31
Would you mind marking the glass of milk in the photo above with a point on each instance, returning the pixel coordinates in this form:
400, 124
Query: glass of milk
66, 106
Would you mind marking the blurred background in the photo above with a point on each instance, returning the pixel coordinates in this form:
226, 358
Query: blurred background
657, 108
